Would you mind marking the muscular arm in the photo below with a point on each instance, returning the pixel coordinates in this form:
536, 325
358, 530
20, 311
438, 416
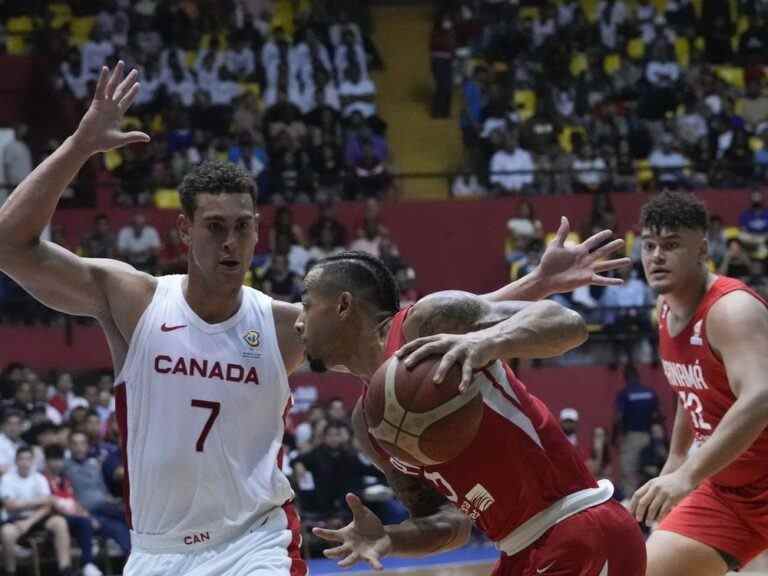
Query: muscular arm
512, 329
434, 525
682, 438
737, 329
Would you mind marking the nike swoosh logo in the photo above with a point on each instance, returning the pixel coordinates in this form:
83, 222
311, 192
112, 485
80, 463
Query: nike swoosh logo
545, 569
165, 328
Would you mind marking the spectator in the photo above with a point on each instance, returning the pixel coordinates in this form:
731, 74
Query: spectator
349, 54
371, 177
173, 257
95, 52
370, 239
599, 462
569, 422
523, 228
86, 477
298, 256
590, 171
662, 74
467, 185
27, 499
668, 164
754, 224
754, 108
17, 160
326, 246
357, 94
637, 409
612, 14
512, 168
280, 281
284, 225
100, 243
64, 399
442, 46
327, 219
654, 455
10, 440
736, 263
65, 504
139, 243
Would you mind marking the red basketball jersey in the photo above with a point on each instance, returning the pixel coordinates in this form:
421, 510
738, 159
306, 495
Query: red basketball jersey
519, 464
701, 382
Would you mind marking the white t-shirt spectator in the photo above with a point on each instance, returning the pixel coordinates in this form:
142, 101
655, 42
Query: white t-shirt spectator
204, 74
342, 58
94, 54
301, 61
76, 80
566, 13
241, 62
467, 187
7, 452
590, 172
363, 88
336, 32
270, 60
185, 88
692, 128
662, 73
128, 242
165, 58
366, 245
670, 164
610, 22
14, 487
223, 92
149, 87
543, 29
505, 161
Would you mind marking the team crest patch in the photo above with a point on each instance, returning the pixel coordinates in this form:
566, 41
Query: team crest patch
696, 339
252, 338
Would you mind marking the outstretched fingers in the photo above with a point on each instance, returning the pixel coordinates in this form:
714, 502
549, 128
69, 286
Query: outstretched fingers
101, 84
127, 84
114, 80
125, 102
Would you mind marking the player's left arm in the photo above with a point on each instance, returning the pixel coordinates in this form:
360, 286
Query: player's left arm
288, 339
565, 268
737, 330
469, 330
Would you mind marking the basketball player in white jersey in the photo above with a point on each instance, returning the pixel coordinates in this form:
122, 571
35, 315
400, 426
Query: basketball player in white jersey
202, 362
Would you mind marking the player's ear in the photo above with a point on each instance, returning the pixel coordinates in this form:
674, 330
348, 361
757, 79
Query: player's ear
184, 226
344, 304
704, 249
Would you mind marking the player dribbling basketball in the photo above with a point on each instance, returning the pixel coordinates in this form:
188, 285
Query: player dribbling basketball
520, 480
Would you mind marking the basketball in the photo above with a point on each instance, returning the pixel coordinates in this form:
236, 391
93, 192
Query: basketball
418, 421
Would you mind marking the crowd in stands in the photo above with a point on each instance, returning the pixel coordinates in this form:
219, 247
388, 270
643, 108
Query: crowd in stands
279, 271
570, 96
61, 469
282, 88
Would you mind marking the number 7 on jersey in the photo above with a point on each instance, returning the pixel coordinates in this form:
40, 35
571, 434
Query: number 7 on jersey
214, 407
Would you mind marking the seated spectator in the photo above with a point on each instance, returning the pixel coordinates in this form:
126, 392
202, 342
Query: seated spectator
64, 399
173, 257
512, 168
181, 86
627, 310
754, 108
668, 164
329, 170
139, 243
357, 139
280, 281
10, 440
662, 74
295, 252
101, 242
90, 490
326, 245
371, 178
290, 177
240, 59
16, 160
467, 185
599, 462
736, 263
94, 52
327, 219
692, 130
612, 14
284, 224
73, 78
716, 243
65, 504
27, 499
370, 239
590, 171
350, 54
274, 53
357, 94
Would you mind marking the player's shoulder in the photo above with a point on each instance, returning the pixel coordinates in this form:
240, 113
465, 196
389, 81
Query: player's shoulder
737, 315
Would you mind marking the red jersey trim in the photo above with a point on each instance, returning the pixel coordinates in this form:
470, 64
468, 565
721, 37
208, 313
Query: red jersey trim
121, 413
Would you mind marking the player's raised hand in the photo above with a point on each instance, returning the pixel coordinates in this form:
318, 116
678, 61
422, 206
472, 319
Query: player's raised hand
363, 539
657, 497
472, 351
99, 130
565, 268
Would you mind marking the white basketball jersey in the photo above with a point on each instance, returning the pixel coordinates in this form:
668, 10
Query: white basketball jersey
201, 409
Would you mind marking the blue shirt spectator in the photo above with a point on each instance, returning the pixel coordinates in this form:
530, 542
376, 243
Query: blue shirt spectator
637, 406
755, 219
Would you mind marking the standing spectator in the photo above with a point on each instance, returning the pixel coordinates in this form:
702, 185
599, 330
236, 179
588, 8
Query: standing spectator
139, 243
95, 52
101, 242
17, 160
10, 440
27, 499
442, 45
64, 503
662, 74
91, 491
512, 168
637, 408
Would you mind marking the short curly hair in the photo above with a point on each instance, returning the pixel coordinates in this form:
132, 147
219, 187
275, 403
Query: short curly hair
214, 177
674, 210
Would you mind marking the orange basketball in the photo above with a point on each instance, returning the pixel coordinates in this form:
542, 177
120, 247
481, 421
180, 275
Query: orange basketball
418, 421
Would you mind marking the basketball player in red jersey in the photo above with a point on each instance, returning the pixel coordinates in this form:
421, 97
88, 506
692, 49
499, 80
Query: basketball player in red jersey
713, 343
520, 480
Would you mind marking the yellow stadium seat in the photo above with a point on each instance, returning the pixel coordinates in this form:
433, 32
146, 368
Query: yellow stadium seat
20, 25
590, 9
612, 63
167, 199
742, 25
189, 58
636, 49
251, 88
756, 144
629, 242
697, 7
731, 232
683, 51
15, 45
643, 171
80, 29
661, 5
525, 101
529, 13
61, 15
565, 138
113, 159
699, 43
578, 63
732, 75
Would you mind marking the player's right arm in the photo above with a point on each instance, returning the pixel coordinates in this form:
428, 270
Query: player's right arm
682, 438
104, 289
434, 525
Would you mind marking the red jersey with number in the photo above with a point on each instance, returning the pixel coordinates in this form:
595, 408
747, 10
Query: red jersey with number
519, 464
701, 382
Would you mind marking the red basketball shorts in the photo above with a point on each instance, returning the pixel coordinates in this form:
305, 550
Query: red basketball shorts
731, 520
602, 541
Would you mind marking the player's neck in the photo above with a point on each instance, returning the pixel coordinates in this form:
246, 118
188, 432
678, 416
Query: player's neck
371, 351
684, 302
212, 306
